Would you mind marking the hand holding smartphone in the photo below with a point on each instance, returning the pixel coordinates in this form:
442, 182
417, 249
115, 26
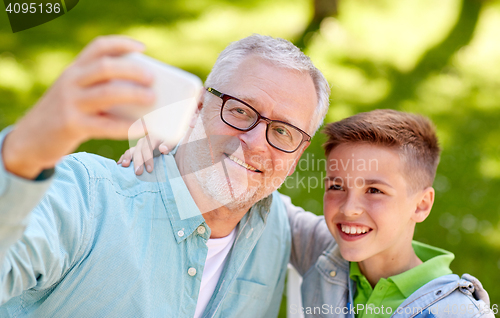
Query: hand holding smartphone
177, 94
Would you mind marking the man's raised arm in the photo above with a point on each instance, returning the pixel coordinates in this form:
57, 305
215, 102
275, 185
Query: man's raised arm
72, 111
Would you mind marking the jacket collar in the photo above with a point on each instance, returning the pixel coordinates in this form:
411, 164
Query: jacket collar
438, 289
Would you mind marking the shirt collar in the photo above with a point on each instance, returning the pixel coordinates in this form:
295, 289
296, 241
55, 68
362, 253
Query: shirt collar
436, 263
182, 211
354, 271
360, 279
263, 207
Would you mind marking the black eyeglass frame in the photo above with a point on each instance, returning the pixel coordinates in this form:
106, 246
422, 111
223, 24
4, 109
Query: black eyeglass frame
225, 98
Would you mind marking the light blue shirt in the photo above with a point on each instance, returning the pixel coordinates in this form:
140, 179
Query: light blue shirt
94, 240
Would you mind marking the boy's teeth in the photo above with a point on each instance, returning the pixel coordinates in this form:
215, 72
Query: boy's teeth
354, 229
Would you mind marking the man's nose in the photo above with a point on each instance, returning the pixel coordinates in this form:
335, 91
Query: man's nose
255, 139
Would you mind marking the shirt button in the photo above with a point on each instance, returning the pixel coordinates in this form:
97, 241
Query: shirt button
180, 233
333, 273
192, 271
201, 230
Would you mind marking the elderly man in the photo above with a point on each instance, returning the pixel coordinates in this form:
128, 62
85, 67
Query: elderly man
94, 240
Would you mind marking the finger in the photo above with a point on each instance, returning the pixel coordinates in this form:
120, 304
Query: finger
147, 154
119, 160
109, 45
138, 169
100, 98
155, 141
109, 68
138, 156
127, 157
163, 149
105, 127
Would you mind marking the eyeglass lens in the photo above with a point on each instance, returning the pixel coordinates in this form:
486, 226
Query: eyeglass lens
280, 135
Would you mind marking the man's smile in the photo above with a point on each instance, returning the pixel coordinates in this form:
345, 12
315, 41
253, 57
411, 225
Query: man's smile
242, 163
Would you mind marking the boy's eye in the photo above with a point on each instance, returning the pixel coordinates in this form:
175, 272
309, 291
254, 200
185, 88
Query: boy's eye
336, 187
373, 190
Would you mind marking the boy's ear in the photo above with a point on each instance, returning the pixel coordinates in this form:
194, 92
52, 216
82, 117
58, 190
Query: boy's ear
192, 123
424, 205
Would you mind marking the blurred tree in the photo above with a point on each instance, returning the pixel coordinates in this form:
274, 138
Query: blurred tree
322, 10
435, 60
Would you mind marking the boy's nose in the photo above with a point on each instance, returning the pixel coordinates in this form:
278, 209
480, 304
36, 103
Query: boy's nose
351, 206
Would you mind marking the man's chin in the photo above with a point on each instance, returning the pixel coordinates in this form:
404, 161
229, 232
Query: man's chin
221, 191
238, 197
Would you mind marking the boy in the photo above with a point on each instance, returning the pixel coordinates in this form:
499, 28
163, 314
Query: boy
380, 169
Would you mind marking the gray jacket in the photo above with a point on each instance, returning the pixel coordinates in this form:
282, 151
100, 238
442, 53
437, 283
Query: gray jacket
327, 290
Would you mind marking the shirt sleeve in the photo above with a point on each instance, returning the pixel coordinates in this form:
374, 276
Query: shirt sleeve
310, 236
42, 226
18, 197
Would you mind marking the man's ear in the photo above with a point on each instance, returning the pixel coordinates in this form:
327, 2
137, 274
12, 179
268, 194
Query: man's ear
300, 151
425, 200
201, 100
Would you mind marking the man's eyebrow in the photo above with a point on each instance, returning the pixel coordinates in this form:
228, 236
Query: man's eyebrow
255, 104
366, 181
247, 99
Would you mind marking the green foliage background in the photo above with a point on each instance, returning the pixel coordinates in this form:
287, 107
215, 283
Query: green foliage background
438, 58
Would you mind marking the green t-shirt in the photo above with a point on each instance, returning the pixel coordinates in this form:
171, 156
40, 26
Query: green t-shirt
394, 290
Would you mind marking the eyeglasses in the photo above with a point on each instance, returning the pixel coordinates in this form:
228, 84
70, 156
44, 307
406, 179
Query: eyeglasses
243, 117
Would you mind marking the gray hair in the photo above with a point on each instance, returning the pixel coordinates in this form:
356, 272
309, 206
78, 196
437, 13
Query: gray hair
279, 52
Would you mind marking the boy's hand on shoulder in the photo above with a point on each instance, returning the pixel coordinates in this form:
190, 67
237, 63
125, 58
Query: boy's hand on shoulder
142, 154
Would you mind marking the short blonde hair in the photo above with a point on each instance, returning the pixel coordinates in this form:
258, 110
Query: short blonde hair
413, 136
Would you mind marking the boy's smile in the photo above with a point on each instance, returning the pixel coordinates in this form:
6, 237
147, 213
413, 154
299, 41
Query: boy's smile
368, 206
352, 231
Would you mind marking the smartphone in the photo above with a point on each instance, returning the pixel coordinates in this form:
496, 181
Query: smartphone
177, 95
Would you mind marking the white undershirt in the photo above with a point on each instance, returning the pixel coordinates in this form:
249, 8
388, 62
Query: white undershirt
216, 258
